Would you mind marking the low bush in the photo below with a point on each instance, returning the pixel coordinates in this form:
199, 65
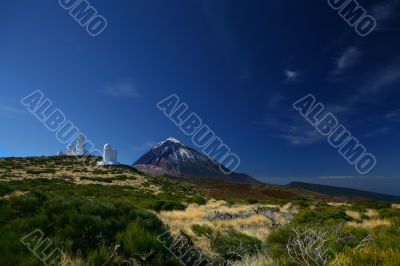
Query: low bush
98, 179
314, 245
197, 199
202, 230
252, 201
363, 205
141, 244
85, 221
367, 256
5, 189
302, 202
233, 245
320, 216
166, 205
389, 213
41, 171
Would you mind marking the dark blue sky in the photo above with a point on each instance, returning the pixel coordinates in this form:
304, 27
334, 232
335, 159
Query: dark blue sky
238, 65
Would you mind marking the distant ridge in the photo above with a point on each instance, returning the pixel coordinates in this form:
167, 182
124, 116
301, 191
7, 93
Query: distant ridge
172, 158
343, 192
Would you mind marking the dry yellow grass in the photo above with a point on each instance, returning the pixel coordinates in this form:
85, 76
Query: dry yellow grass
353, 214
367, 256
68, 260
15, 194
255, 225
371, 213
257, 260
288, 207
134, 180
368, 224
397, 206
338, 204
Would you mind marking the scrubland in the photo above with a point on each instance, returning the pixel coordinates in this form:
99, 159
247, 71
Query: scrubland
113, 216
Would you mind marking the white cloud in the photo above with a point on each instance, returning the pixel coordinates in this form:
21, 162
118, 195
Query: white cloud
9, 111
122, 90
302, 136
378, 132
382, 80
275, 100
377, 85
294, 129
393, 116
291, 76
350, 57
338, 177
385, 12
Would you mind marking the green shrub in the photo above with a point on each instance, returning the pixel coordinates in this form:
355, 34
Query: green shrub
363, 205
233, 201
279, 202
124, 177
387, 237
202, 230
104, 256
252, 201
389, 213
98, 179
84, 226
367, 256
41, 171
197, 199
321, 216
140, 244
276, 243
231, 243
5, 189
307, 239
167, 205
99, 172
302, 202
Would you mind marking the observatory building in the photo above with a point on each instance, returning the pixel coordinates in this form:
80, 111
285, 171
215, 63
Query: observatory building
78, 149
109, 156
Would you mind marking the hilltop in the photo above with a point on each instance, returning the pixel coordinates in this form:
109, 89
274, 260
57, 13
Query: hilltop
72, 170
349, 193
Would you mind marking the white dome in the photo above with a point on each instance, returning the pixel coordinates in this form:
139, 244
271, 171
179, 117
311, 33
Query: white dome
107, 146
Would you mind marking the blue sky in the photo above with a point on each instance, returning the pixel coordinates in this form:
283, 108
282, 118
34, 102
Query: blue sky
238, 65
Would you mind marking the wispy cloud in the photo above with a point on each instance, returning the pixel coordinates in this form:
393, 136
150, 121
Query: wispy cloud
9, 111
291, 76
377, 85
382, 80
338, 177
378, 132
275, 100
350, 57
385, 12
393, 116
301, 136
122, 90
293, 129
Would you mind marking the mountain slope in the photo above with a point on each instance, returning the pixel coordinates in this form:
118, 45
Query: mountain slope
343, 192
171, 157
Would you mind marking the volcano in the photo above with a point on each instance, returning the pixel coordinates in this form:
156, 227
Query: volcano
172, 158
